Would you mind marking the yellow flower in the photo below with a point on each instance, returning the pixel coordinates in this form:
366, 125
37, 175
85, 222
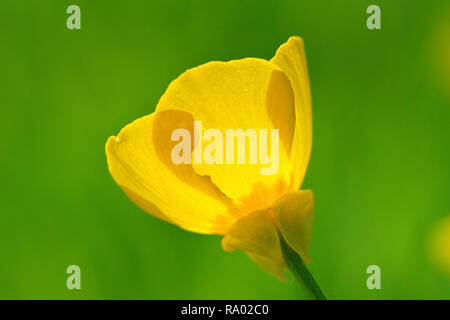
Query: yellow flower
234, 200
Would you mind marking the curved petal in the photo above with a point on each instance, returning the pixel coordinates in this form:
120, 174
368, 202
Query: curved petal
257, 236
291, 58
294, 215
136, 160
248, 94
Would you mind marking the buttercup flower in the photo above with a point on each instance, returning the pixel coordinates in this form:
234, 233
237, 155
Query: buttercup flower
236, 200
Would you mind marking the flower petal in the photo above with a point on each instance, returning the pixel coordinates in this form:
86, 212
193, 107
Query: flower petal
291, 58
294, 215
257, 236
241, 94
137, 161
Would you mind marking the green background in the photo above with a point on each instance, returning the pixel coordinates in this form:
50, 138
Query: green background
379, 167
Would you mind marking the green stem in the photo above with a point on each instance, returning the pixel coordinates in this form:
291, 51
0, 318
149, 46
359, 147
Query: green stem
300, 271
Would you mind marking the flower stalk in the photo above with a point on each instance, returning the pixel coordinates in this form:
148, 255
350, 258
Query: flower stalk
300, 271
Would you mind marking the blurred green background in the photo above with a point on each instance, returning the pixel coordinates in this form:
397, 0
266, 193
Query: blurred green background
379, 167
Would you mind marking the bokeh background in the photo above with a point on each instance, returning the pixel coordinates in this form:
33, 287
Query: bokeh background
379, 168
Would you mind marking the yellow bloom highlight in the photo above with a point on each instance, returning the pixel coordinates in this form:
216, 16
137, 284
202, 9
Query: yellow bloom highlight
234, 200
440, 50
439, 244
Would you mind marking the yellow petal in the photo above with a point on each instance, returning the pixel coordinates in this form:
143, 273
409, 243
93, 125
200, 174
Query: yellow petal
272, 266
137, 161
257, 236
241, 94
294, 215
281, 107
291, 58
